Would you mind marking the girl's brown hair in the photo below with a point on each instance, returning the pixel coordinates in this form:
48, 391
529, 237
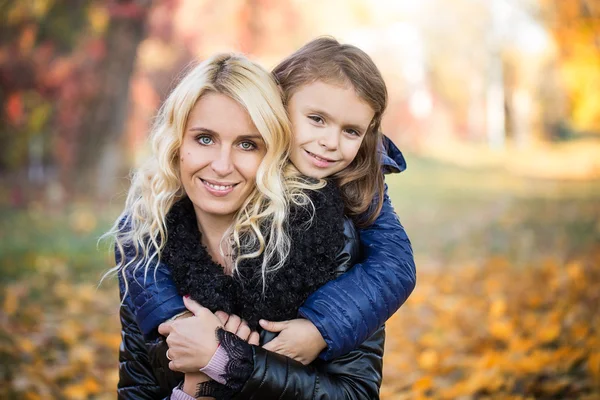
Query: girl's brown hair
325, 59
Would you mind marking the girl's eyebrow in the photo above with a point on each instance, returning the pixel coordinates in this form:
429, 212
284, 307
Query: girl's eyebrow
325, 114
356, 127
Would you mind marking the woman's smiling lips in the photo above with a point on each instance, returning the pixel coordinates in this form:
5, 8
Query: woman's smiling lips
319, 161
218, 189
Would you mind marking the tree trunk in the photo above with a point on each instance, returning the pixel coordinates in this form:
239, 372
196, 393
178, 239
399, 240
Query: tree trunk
100, 155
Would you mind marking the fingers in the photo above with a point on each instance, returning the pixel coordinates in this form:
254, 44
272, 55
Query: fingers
243, 331
272, 326
254, 338
233, 323
273, 345
173, 366
223, 316
165, 328
192, 305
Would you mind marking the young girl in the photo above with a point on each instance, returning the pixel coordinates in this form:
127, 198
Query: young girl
321, 82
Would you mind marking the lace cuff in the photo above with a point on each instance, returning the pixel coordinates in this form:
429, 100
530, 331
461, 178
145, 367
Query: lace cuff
239, 367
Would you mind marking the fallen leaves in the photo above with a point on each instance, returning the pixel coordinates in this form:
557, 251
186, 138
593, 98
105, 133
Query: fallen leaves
499, 332
59, 338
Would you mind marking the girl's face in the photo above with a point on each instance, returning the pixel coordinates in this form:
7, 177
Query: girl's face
219, 156
329, 123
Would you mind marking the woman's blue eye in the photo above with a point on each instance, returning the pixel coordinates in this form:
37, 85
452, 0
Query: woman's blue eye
205, 140
247, 146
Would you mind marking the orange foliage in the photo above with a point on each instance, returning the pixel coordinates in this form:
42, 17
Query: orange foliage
575, 26
497, 332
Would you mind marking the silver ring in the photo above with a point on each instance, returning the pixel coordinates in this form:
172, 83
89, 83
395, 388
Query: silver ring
167, 354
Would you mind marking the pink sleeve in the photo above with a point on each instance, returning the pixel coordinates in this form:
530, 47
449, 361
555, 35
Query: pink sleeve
215, 369
179, 394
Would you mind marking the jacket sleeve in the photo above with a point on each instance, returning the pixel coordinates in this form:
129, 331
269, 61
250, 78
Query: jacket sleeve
154, 297
356, 375
137, 378
350, 308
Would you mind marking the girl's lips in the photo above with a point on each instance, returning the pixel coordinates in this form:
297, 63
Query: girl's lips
216, 189
318, 161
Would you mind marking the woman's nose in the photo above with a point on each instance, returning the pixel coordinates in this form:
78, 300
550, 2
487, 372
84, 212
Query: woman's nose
223, 163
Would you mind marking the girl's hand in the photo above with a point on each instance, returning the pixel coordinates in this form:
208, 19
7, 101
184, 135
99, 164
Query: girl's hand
192, 341
298, 339
234, 324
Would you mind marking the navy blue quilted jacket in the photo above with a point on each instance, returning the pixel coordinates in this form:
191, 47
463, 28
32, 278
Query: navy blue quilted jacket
346, 310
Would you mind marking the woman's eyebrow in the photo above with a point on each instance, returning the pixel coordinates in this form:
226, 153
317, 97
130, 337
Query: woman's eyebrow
251, 137
203, 130
207, 131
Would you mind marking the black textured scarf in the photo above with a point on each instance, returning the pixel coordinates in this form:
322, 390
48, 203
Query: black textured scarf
311, 263
193, 270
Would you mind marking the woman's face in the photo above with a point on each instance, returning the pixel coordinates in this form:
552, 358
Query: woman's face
329, 124
219, 156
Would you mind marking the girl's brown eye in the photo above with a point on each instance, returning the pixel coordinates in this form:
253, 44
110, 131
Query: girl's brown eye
316, 118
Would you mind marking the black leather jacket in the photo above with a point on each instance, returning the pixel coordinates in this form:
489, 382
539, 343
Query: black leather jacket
144, 372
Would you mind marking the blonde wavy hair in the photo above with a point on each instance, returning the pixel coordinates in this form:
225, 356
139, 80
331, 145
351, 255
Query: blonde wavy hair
156, 185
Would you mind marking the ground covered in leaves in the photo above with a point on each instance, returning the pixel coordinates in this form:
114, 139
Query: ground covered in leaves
499, 332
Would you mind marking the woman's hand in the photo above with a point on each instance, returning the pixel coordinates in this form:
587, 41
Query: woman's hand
234, 324
298, 339
192, 341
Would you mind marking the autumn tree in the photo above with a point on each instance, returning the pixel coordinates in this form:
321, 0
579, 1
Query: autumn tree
64, 72
575, 26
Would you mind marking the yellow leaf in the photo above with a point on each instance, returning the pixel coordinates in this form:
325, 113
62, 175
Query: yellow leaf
26, 345
69, 332
579, 331
520, 345
502, 330
498, 308
75, 392
11, 302
32, 396
428, 359
594, 366
82, 353
98, 18
91, 385
575, 271
549, 333
422, 384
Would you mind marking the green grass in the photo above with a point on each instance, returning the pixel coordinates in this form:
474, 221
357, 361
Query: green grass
29, 238
457, 214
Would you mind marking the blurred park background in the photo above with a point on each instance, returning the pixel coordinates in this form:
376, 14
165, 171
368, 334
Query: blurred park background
495, 103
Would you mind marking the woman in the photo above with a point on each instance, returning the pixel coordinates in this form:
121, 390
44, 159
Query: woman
219, 146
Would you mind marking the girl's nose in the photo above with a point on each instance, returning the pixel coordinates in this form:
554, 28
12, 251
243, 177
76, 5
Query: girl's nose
330, 140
